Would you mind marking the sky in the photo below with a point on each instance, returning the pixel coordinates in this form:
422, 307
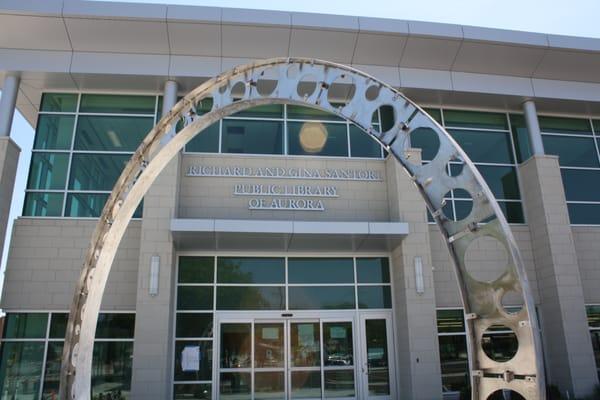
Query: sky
573, 17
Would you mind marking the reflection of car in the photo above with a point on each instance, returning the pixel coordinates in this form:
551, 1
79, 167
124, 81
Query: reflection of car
448, 394
376, 357
339, 359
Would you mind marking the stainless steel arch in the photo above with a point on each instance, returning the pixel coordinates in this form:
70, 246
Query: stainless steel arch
290, 80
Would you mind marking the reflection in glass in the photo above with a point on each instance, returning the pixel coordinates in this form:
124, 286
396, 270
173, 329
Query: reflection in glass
316, 138
205, 142
475, 119
339, 383
250, 270
450, 321
117, 104
193, 360
373, 270
584, 213
306, 384
577, 126
21, 369
337, 346
25, 325
374, 297
110, 133
195, 391
499, 343
320, 270
48, 171
54, 132
96, 171
115, 326
43, 204
52, 372
377, 357
596, 347
196, 270
305, 344
572, 151
362, 145
577, 187
480, 146
250, 298
58, 325
235, 386
194, 298
520, 137
236, 345
252, 137
321, 297
454, 362
111, 370
269, 385
268, 345
194, 325
59, 102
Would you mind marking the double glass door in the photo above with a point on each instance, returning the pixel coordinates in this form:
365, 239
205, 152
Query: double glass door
304, 358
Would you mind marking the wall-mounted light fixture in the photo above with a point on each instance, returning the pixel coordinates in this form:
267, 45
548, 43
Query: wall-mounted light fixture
419, 285
154, 272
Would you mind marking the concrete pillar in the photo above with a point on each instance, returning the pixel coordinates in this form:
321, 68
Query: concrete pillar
418, 359
533, 127
569, 355
9, 151
153, 346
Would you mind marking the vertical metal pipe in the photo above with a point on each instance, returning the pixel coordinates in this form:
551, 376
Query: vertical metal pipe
8, 100
533, 127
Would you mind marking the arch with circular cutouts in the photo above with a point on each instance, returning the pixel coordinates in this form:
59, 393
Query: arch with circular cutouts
308, 82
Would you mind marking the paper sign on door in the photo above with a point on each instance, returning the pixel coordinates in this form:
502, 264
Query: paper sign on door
190, 358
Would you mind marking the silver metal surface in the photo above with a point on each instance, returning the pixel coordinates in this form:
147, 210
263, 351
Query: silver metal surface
290, 80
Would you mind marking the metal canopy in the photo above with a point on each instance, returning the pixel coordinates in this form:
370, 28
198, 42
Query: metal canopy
307, 82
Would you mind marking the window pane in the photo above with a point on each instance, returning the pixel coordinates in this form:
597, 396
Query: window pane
434, 113
108, 133
48, 171
305, 347
269, 385
194, 325
593, 316
475, 119
338, 350
54, 132
320, 270
377, 357
316, 138
480, 146
25, 325
565, 125
43, 204
374, 297
250, 298
502, 181
454, 362
236, 346
450, 321
194, 391
58, 325
520, 137
205, 142
306, 385
235, 386
193, 360
584, 214
111, 369
52, 373
85, 205
579, 184
96, 171
339, 384
21, 369
115, 326
252, 137
117, 104
59, 102
250, 270
268, 345
321, 297
572, 151
266, 111
196, 270
596, 124
362, 145
463, 208
513, 211
194, 298
596, 346
373, 270
299, 112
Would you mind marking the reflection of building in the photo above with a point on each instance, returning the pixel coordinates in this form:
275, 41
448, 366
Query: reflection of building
287, 241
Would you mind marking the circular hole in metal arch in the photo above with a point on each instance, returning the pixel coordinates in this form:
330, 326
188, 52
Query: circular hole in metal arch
427, 140
341, 91
238, 91
486, 258
512, 302
384, 118
505, 394
499, 343
267, 82
372, 92
307, 86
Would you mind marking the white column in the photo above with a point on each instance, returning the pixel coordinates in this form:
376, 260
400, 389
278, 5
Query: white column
10, 89
533, 127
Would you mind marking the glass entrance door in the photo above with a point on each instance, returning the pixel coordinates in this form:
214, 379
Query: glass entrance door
265, 359
377, 364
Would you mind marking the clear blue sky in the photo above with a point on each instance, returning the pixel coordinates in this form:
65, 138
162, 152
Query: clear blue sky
564, 17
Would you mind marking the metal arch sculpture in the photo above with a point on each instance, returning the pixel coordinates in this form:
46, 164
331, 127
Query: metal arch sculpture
243, 87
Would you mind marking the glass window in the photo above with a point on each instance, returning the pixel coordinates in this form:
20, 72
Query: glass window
194, 298
111, 369
193, 391
59, 102
196, 270
21, 366
520, 137
373, 270
596, 346
317, 138
115, 326
235, 385
321, 297
577, 126
300, 112
250, 270
196, 371
265, 111
513, 211
596, 124
338, 349
236, 346
269, 385
579, 184
378, 369
584, 214
434, 113
593, 316
427, 140
110, 133
205, 142
96, 171
90, 205
362, 145
475, 119
501, 180
572, 151
117, 104
250, 298
268, 345
48, 171
54, 132
43, 204
450, 321
320, 270
454, 364
52, 372
58, 325
482, 146
25, 325
374, 297
252, 137
194, 325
